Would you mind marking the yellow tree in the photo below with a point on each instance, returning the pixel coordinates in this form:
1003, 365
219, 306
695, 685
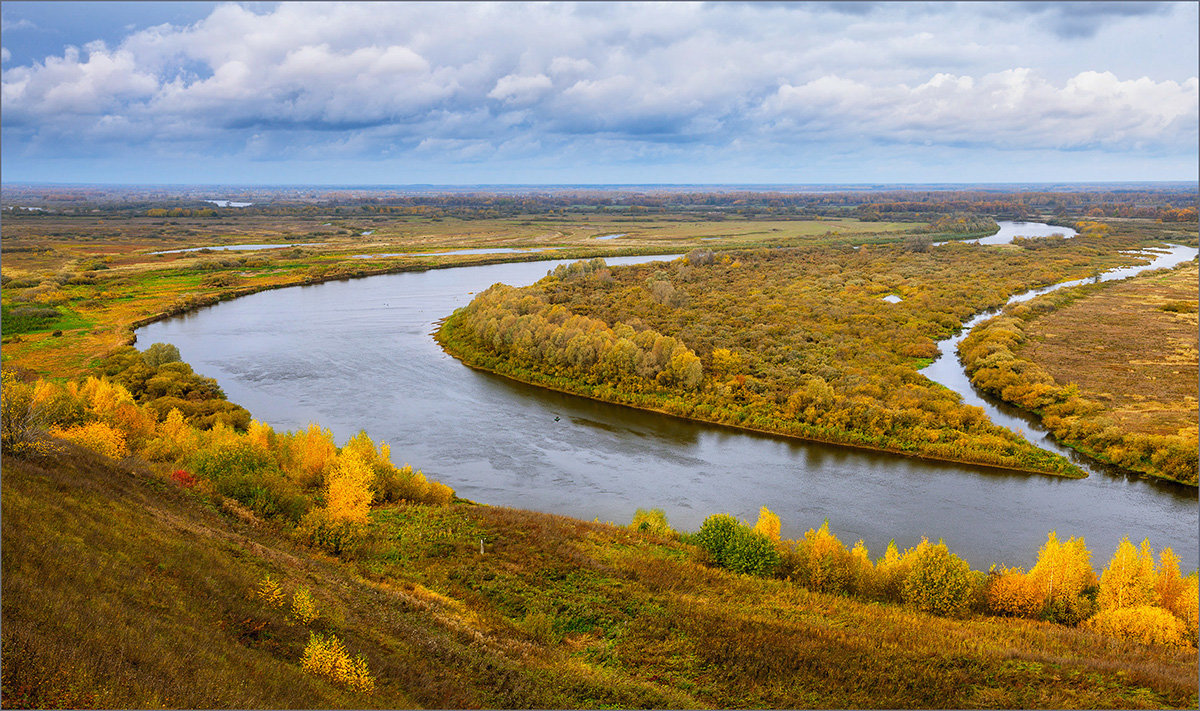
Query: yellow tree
767, 524
348, 488
1062, 570
1128, 581
1168, 584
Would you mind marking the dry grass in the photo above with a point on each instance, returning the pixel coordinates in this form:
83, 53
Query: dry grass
120, 590
1123, 349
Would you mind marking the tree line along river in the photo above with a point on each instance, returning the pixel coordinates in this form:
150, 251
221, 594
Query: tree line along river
358, 354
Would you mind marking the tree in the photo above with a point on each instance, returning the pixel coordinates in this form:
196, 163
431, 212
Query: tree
1128, 581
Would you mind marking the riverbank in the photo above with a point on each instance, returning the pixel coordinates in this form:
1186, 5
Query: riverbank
481, 361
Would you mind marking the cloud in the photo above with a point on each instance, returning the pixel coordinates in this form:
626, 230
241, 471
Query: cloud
7, 25
516, 88
1075, 20
1014, 108
630, 81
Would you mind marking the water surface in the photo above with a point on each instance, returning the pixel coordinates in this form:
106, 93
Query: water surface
358, 354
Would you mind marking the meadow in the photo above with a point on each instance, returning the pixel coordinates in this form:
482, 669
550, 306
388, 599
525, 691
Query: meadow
75, 287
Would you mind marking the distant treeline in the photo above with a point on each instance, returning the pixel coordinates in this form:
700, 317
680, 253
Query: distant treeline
1168, 203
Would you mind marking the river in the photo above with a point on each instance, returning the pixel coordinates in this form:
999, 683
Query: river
358, 354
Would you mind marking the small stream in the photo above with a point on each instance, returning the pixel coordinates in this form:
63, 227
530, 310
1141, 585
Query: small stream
948, 370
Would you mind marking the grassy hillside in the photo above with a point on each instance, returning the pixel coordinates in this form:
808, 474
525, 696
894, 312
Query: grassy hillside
122, 590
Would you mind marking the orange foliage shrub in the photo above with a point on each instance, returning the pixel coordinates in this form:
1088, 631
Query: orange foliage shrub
1012, 592
822, 564
1185, 604
1144, 623
348, 487
96, 436
260, 435
307, 455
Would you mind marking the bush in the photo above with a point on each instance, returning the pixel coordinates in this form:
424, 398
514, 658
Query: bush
1144, 623
652, 521
823, 564
304, 608
732, 545
1010, 592
246, 473
159, 354
327, 656
20, 419
183, 479
99, 437
338, 536
939, 582
767, 524
270, 593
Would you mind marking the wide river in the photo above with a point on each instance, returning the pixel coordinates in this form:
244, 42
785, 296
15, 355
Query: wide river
358, 354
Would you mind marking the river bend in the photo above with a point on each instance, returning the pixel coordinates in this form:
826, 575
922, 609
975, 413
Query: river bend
358, 354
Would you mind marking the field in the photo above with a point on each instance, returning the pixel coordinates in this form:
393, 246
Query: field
1130, 346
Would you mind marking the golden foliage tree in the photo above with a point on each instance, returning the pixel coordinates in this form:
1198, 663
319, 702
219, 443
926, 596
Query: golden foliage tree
1128, 581
767, 524
348, 487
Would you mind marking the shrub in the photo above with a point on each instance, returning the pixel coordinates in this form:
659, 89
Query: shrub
716, 534
1184, 606
160, 353
823, 564
939, 582
304, 608
392, 484
183, 478
248, 474
1065, 580
20, 419
887, 583
768, 523
338, 536
734, 546
348, 487
99, 437
1143, 623
652, 521
270, 592
327, 656
752, 553
1011, 592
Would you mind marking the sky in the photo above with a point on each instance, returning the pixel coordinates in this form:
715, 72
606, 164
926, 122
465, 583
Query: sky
598, 93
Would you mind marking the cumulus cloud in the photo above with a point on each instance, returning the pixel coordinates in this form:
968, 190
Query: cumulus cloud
469, 81
1014, 108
